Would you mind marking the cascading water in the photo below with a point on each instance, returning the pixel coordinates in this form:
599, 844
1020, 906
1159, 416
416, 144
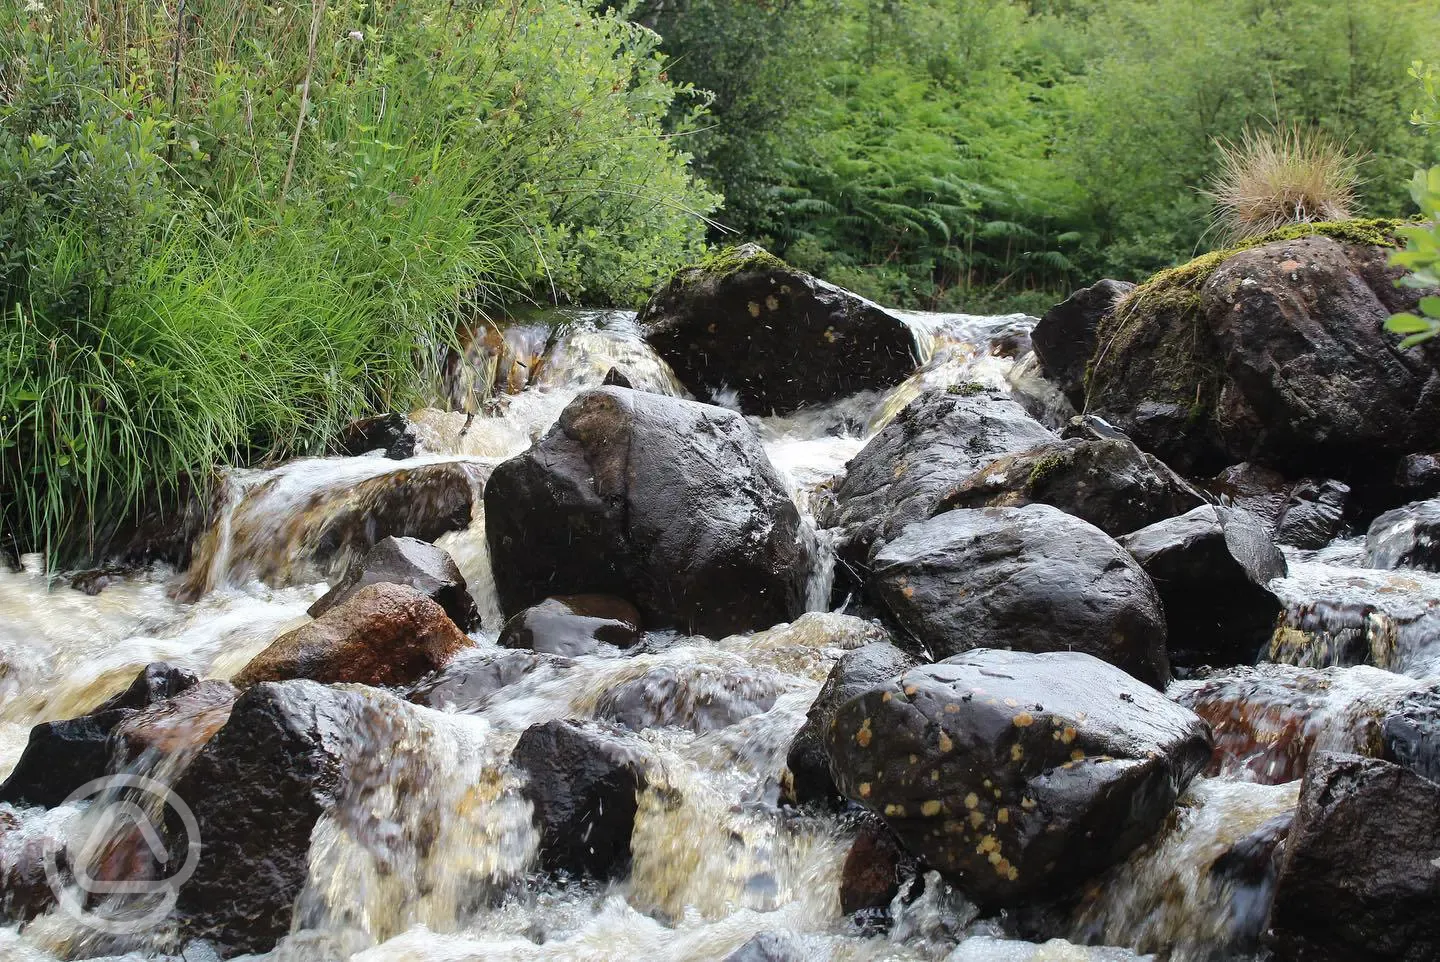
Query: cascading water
429, 852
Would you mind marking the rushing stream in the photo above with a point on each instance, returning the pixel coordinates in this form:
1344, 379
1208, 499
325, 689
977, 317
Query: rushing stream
431, 854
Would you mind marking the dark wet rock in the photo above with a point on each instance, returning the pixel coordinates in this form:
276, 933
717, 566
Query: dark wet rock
1417, 477
1308, 513
770, 947
1211, 567
1032, 579
391, 433
1361, 875
257, 790
1064, 340
1280, 356
874, 868
616, 378
1269, 720
1110, 483
668, 503
937, 441
1410, 733
1335, 634
176, 728
573, 625
744, 328
1407, 537
95, 580
24, 887
407, 561
385, 634
696, 696
61, 756
1250, 870
854, 674
1018, 775
470, 684
584, 781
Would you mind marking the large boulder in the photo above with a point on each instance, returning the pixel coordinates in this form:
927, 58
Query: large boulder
937, 441
256, 791
1110, 483
584, 782
668, 503
1278, 355
1360, 881
1031, 579
855, 673
1018, 775
385, 634
408, 561
1407, 537
61, 756
1064, 340
573, 625
1211, 567
1308, 513
744, 329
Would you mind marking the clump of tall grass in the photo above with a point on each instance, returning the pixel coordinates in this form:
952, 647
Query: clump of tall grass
1289, 175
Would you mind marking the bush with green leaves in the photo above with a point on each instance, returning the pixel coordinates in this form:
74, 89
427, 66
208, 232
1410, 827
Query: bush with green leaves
1421, 255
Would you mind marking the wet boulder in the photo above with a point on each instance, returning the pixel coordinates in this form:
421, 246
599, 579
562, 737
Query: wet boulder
256, 791
469, 684
24, 885
770, 947
385, 634
668, 503
854, 674
699, 696
874, 868
573, 625
1407, 537
1110, 483
584, 781
1017, 775
1064, 340
1212, 567
176, 728
746, 330
1410, 732
1308, 513
61, 756
1360, 879
937, 441
1031, 579
1278, 355
408, 561
391, 434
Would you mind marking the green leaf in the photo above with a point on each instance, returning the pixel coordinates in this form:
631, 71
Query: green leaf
1430, 306
1408, 324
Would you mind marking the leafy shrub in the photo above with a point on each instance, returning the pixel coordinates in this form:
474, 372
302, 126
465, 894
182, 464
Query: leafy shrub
1422, 248
1291, 175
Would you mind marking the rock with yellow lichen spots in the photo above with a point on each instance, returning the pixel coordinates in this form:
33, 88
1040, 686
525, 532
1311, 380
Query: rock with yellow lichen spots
744, 324
1018, 775
1030, 578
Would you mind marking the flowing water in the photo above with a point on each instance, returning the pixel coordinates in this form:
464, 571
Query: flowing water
430, 853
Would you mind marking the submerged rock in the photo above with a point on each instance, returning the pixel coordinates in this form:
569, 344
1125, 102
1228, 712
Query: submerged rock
1032, 579
696, 696
470, 684
744, 329
1018, 775
584, 782
1110, 483
385, 634
874, 869
937, 441
257, 790
668, 503
769, 947
1407, 537
408, 561
573, 625
174, 729
1211, 567
853, 675
391, 434
1361, 876
1064, 340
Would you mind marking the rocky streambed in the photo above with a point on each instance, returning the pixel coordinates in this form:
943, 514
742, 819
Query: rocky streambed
772, 625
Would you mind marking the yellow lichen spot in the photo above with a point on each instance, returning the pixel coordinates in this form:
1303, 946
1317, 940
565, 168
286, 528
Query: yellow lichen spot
771, 303
951, 708
897, 811
934, 774
910, 691
914, 759
972, 800
945, 743
1012, 703
989, 784
1003, 816
1027, 803
1077, 756
1068, 735
864, 789
987, 845
753, 308
1016, 753
976, 818
908, 592
930, 809
954, 827
997, 793
995, 858
1024, 720
886, 697
863, 736
830, 334
784, 288
1012, 873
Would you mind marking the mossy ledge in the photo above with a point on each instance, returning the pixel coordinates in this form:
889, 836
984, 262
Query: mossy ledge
731, 260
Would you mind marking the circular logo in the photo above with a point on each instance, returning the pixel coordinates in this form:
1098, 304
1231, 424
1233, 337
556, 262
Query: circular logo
115, 850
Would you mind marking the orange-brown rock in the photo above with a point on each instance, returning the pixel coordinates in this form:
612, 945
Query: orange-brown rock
386, 634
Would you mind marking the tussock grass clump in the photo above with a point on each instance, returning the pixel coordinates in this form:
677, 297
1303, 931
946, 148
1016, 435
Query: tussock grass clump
1291, 175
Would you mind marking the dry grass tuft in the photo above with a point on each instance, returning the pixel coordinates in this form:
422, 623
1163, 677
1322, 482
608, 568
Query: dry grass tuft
1274, 178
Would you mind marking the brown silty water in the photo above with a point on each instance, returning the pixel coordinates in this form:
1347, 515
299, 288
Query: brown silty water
430, 852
